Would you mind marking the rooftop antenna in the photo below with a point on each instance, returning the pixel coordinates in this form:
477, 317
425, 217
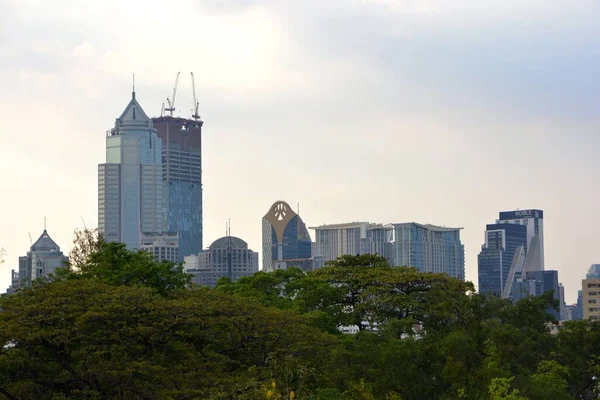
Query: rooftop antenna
133, 83
44, 223
171, 103
229, 255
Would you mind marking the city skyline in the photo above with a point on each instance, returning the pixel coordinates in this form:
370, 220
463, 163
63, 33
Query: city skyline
418, 113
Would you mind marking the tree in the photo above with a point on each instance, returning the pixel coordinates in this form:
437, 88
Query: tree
86, 242
95, 340
366, 291
114, 264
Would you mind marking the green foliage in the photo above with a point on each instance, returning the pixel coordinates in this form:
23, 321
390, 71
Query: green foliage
500, 389
119, 325
113, 264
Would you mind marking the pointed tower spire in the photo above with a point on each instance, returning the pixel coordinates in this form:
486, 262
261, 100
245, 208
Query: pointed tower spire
133, 91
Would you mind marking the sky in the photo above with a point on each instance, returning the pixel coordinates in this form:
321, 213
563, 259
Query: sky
435, 111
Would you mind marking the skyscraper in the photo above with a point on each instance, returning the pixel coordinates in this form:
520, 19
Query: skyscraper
182, 180
504, 243
514, 251
536, 283
590, 294
42, 260
285, 238
430, 248
333, 241
533, 220
130, 188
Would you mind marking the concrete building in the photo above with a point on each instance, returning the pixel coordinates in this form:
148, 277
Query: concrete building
333, 241
228, 256
163, 246
42, 260
430, 248
504, 245
182, 180
285, 238
130, 187
590, 296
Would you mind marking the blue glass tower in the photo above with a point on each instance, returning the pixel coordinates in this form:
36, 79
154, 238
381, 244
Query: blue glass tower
285, 237
496, 256
430, 248
182, 180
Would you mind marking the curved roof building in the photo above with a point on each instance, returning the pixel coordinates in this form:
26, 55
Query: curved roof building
227, 256
285, 237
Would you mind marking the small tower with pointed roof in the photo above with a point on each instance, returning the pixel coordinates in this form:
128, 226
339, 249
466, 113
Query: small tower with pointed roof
40, 262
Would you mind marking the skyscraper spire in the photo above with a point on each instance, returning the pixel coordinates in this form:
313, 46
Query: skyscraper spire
133, 91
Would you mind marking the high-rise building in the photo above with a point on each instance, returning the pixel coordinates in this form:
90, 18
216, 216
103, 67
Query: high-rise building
430, 248
333, 241
590, 297
285, 238
182, 180
163, 246
536, 283
533, 220
562, 304
228, 256
578, 309
509, 257
130, 187
42, 260
504, 245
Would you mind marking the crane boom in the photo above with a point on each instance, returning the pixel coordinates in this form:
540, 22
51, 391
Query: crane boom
171, 103
195, 109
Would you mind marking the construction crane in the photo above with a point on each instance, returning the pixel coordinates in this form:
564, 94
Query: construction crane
162, 110
195, 109
171, 103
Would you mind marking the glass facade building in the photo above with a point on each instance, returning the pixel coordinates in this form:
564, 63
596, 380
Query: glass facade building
130, 188
336, 240
497, 254
536, 283
285, 237
430, 248
42, 259
182, 180
533, 220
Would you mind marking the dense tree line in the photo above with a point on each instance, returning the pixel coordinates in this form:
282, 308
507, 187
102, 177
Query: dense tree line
117, 325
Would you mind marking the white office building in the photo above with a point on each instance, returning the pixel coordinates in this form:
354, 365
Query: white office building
228, 257
336, 240
130, 190
163, 246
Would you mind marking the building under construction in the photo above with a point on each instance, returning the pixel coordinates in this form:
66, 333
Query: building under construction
182, 177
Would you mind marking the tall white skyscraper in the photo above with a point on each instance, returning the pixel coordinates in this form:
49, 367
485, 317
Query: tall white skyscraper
130, 190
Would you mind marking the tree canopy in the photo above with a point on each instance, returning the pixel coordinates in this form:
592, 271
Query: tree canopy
120, 326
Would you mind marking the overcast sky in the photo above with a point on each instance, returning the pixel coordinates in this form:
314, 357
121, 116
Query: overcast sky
434, 111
